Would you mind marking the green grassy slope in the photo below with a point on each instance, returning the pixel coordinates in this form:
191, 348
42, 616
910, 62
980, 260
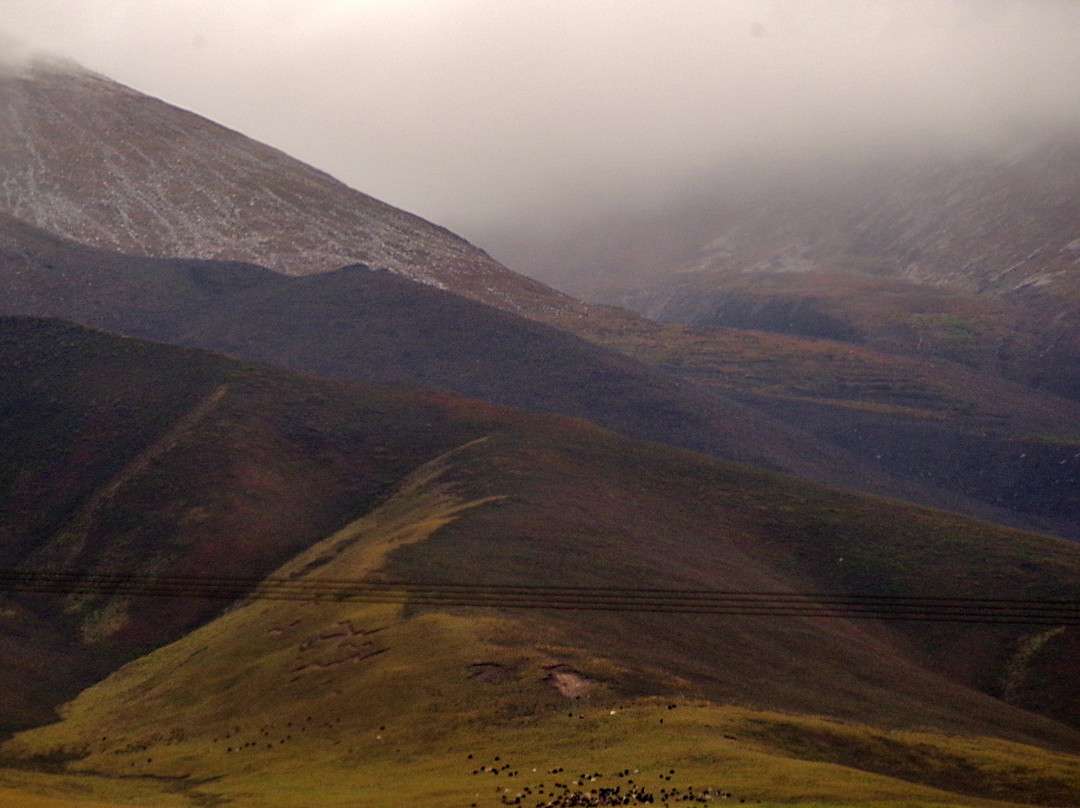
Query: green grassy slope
124, 456
590, 510
342, 702
281, 704
1028, 335
726, 755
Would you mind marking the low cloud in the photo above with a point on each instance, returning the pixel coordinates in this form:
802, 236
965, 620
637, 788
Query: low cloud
14, 54
469, 111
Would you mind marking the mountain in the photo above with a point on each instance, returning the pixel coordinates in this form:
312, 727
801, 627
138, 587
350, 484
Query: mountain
143, 176
976, 259
151, 460
227, 582
147, 179
92, 160
924, 434
357, 323
133, 458
972, 259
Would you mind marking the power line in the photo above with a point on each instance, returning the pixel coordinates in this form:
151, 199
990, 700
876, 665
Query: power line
620, 599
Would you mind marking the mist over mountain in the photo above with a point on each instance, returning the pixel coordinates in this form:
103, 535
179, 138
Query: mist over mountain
971, 259
988, 223
472, 113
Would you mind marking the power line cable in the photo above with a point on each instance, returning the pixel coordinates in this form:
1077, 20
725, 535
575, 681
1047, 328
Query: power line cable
506, 596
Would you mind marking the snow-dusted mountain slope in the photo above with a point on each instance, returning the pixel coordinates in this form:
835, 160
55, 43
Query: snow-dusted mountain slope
90, 159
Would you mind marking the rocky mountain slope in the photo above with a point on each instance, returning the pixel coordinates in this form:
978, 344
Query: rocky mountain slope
90, 159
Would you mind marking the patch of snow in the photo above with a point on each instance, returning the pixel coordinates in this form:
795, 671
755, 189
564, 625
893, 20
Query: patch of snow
1036, 281
791, 260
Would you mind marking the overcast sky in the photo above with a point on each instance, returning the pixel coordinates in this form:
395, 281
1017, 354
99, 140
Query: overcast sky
470, 111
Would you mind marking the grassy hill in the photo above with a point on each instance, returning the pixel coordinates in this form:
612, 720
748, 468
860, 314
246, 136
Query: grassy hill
127, 456
1028, 335
700, 753
959, 439
278, 702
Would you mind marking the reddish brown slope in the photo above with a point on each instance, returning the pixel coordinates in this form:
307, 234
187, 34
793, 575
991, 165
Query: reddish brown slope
134, 458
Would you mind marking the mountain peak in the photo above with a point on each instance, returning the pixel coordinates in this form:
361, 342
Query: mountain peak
93, 160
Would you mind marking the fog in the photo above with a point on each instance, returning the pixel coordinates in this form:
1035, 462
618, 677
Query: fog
475, 112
